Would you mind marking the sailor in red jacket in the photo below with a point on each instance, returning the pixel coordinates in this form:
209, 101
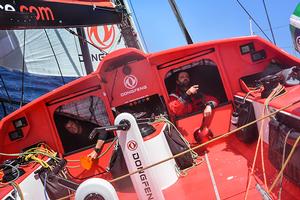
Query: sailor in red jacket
184, 100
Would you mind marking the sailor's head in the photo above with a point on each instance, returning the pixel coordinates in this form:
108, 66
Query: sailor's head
183, 79
73, 127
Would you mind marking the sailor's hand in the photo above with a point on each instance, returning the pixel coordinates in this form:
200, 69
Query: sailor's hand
207, 111
93, 155
192, 90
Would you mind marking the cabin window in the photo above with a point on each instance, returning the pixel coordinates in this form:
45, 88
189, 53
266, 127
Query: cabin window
76, 120
203, 73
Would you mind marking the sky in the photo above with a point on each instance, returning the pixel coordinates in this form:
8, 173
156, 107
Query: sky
210, 20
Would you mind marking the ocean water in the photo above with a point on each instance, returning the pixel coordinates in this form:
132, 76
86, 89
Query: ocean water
34, 87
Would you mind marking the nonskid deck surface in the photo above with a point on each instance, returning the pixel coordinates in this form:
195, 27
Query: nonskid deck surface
223, 174
230, 172
229, 164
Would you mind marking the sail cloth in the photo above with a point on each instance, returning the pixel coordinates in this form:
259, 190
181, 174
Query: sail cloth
295, 27
42, 65
66, 54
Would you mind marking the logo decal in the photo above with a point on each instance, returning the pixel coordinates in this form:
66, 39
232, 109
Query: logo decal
132, 145
130, 82
102, 36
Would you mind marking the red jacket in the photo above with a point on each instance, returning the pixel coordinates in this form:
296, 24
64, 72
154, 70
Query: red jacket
181, 104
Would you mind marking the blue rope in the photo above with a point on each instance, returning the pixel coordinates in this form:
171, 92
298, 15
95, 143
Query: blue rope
45, 186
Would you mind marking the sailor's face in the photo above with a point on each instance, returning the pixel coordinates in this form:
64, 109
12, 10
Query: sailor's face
73, 127
183, 79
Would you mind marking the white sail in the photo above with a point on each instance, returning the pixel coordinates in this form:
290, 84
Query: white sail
65, 53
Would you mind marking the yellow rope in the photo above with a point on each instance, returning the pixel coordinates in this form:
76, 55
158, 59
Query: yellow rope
38, 160
285, 164
164, 119
67, 197
18, 189
274, 94
108, 148
198, 146
282, 161
206, 143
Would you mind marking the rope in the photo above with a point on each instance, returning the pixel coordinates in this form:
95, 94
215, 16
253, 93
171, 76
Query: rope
164, 119
184, 171
108, 148
211, 141
253, 20
274, 94
102, 154
23, 70
60, 72
248, 93
6, 90
193, 153
45, 186
206, 143
67, 197
198, 146
2, 185
35, 150
285, 164
38, 160
18, 189
269, 22
138, 26
85, 40
282, 162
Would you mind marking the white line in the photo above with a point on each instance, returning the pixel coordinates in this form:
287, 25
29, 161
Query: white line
10, 40
212, 178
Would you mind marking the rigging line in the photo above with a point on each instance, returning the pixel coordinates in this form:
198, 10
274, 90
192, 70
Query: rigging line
23, 70
138, 26
269, 22
253, 20
83, 39
275, 28
59, 69
4, 109
5, 88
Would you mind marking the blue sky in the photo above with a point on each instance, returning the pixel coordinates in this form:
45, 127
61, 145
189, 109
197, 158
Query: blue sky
210, 20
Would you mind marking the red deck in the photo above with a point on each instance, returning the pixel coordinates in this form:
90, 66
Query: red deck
230, 162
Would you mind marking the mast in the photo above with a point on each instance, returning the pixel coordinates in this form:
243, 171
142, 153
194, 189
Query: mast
127, 27
136, 26
85, 51
180, 21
